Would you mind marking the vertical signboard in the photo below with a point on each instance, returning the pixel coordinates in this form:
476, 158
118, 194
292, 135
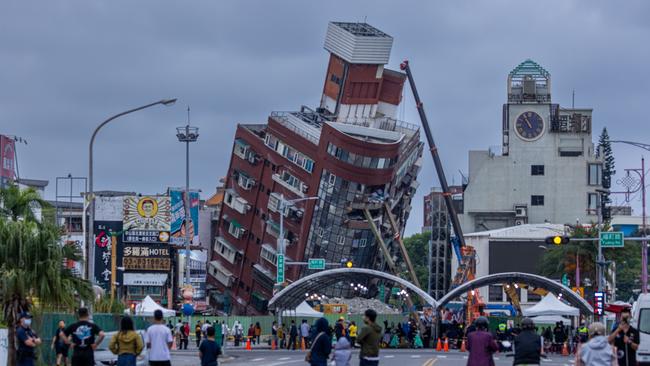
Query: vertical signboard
7, 159
179, 220
599, 303
104, 230
280, 272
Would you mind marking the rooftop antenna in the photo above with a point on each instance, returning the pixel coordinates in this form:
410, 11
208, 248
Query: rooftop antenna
573, 99
364, 18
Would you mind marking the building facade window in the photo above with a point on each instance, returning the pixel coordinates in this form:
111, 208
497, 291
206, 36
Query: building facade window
495, 293
235, 229
537, 170
359, 160
245, 181
595, 174
291, 154
243, 150
537, 200
592, 203
269, 254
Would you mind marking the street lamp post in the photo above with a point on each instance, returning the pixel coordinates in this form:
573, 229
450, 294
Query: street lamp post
281, 241
91, 217
187, 134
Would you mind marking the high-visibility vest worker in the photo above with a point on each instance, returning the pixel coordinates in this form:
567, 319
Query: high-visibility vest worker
502, 327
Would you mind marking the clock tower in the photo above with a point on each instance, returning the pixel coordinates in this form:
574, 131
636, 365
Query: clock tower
547, 170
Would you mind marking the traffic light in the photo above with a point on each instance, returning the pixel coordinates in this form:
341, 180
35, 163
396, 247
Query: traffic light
557, 240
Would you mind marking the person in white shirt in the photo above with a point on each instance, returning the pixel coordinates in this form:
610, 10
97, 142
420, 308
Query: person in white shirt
304, 332
224, 332
159, 340
204, 328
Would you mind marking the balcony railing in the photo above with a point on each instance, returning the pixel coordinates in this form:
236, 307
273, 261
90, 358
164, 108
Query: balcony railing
276, 177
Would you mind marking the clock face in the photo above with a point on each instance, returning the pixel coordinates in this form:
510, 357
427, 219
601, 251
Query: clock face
529, 126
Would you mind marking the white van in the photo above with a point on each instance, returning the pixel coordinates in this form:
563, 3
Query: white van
641, 321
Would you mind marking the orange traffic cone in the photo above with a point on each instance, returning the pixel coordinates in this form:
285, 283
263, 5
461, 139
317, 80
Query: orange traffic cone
248, 344
302, 344
439, 346
446, 345
273, 344
463, 348
565, 350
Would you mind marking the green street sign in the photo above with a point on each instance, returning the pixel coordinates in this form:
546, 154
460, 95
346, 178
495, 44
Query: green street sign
611, 239
565, 280
280, 273
316, 263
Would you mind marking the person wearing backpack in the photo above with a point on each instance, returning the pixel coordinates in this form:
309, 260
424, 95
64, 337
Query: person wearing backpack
126, 344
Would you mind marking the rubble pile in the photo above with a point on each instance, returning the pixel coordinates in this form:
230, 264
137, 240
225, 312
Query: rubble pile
357, 305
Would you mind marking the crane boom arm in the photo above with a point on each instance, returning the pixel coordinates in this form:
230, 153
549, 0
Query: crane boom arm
436, 157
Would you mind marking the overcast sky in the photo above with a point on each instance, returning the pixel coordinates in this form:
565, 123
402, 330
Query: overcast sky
67, 65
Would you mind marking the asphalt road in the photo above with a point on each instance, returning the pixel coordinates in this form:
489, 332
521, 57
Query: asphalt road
266, 357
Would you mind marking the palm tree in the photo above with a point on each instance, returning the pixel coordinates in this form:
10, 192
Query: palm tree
32, 263
20, 204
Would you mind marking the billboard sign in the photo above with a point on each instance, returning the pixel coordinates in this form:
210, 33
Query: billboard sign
109, 208
148, 257
105, 231
146, 219
179, 222
599, 303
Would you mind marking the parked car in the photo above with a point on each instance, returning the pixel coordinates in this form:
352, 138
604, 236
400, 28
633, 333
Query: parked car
104, 356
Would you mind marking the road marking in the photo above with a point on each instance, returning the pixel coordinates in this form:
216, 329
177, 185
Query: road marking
284, 358
430, 362
389, 356
257, 359
415, 356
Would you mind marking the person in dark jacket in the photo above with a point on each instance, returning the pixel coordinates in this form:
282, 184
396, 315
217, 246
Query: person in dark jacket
481, 345
293, 334
322, 344
528, 345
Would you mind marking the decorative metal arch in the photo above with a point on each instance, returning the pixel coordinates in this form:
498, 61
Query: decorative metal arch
294, 294
519, 277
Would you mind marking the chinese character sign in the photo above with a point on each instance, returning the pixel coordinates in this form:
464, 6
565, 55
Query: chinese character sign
104, 231
599, 303
146, 213
179, 222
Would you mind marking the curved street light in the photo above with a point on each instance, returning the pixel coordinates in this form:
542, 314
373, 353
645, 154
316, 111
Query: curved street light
91, 219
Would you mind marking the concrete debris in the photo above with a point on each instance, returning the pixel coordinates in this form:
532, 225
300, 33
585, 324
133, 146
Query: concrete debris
357, 305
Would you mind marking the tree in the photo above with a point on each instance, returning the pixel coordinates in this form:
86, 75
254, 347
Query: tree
561, 259
16, 203
417, 248
605, 152
32, 264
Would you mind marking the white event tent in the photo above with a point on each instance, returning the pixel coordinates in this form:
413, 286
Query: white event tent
550, 305
303, 310
148, 306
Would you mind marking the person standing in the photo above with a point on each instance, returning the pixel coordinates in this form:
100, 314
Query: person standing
84, 336
204, 329
281, 335
321, 346
251, 333
197, 333
339, 328
597, 351
27, 341
274, 332
185, 336
626, 340
258, 332
209, 350
293, 334
528, 345
126, 343
352, 331
481, 345
342, 352
59, 346
224, 332
159, 341
369, 338
304, 332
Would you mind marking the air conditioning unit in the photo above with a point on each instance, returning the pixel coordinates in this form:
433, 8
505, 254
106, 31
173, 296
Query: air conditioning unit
521, 211
304, 187
252, 158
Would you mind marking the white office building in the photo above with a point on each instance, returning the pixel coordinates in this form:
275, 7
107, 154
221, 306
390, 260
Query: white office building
547, 170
